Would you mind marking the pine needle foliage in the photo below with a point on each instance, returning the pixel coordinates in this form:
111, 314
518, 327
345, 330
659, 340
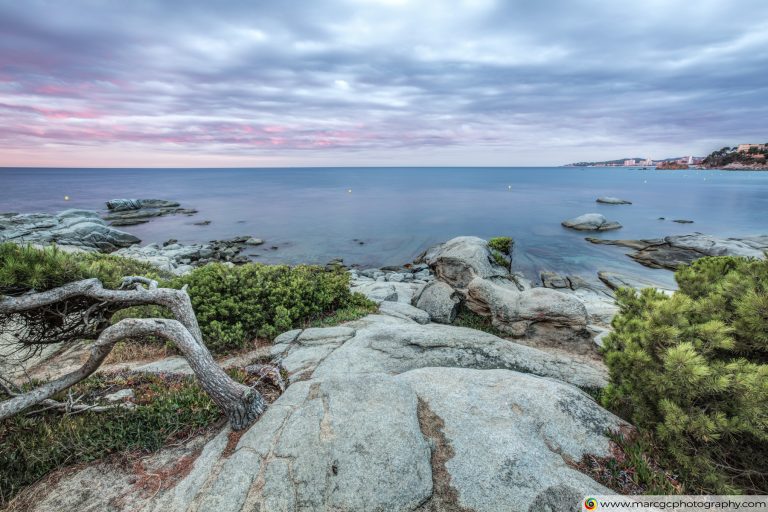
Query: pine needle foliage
692, 369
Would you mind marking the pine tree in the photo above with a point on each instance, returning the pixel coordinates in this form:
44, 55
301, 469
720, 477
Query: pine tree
692, 369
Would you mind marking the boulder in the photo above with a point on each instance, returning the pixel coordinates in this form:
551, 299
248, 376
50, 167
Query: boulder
459, 260
612, 200
542, 314
439, 301
591, 222
554, 280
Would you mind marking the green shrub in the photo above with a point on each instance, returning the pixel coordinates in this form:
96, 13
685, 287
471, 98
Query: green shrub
691, 369
501, 249
503, 244
237, 304
25, 268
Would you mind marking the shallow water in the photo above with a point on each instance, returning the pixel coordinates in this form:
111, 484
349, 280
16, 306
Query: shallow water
314, 215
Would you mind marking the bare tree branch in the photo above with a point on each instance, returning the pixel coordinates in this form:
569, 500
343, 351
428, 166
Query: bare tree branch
240, 403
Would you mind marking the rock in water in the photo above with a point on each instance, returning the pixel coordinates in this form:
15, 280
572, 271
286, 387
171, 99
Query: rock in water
120, 205
127, 212
612, 200
591, 222
671, 252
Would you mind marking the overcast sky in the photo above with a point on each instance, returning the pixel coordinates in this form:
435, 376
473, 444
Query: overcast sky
377, 82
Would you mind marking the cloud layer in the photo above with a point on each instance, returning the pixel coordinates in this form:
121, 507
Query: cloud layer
377, 82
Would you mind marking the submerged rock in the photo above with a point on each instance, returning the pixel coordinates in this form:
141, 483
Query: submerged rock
591, 222
612, 200
119, 205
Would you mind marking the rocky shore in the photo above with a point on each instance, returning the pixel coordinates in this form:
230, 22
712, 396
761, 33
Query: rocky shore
402, 409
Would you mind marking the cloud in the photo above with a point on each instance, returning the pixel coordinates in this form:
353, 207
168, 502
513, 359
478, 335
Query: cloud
378, 82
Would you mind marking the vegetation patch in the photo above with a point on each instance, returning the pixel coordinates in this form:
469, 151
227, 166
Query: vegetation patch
691, 372
165, 409
632, 467
465, 317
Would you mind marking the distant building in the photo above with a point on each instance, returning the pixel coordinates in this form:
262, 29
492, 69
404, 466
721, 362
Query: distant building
629, 163
744, 148
647, 161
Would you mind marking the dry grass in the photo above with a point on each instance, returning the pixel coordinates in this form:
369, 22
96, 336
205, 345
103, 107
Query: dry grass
132, 350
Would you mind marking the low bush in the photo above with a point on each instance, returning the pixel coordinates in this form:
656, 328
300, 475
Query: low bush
25, 268
691, 370
237, 304
501, 249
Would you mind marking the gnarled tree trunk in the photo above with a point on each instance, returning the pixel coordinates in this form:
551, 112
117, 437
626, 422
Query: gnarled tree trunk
241, 404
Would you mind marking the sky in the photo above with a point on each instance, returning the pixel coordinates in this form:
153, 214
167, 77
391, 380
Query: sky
87, 83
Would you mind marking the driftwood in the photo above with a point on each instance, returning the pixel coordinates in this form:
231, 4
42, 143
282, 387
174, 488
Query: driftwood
241, 404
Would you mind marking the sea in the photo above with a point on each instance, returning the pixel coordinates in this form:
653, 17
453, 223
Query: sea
379, 216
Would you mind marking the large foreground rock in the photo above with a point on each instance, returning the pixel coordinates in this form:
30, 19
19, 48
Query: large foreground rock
543, 314
383, 414
671, 252
460, 260
82, 229
591, 222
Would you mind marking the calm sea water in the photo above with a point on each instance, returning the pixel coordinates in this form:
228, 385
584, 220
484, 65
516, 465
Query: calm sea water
314, 215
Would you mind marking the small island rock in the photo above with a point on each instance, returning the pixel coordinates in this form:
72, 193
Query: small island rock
591, 222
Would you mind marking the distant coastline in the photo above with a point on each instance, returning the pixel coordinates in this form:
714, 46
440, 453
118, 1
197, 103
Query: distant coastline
744, 157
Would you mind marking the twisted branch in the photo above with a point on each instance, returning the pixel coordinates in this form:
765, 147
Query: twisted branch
241, 403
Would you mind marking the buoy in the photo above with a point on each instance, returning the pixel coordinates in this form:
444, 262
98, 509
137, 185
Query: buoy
349, 191
66, 198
